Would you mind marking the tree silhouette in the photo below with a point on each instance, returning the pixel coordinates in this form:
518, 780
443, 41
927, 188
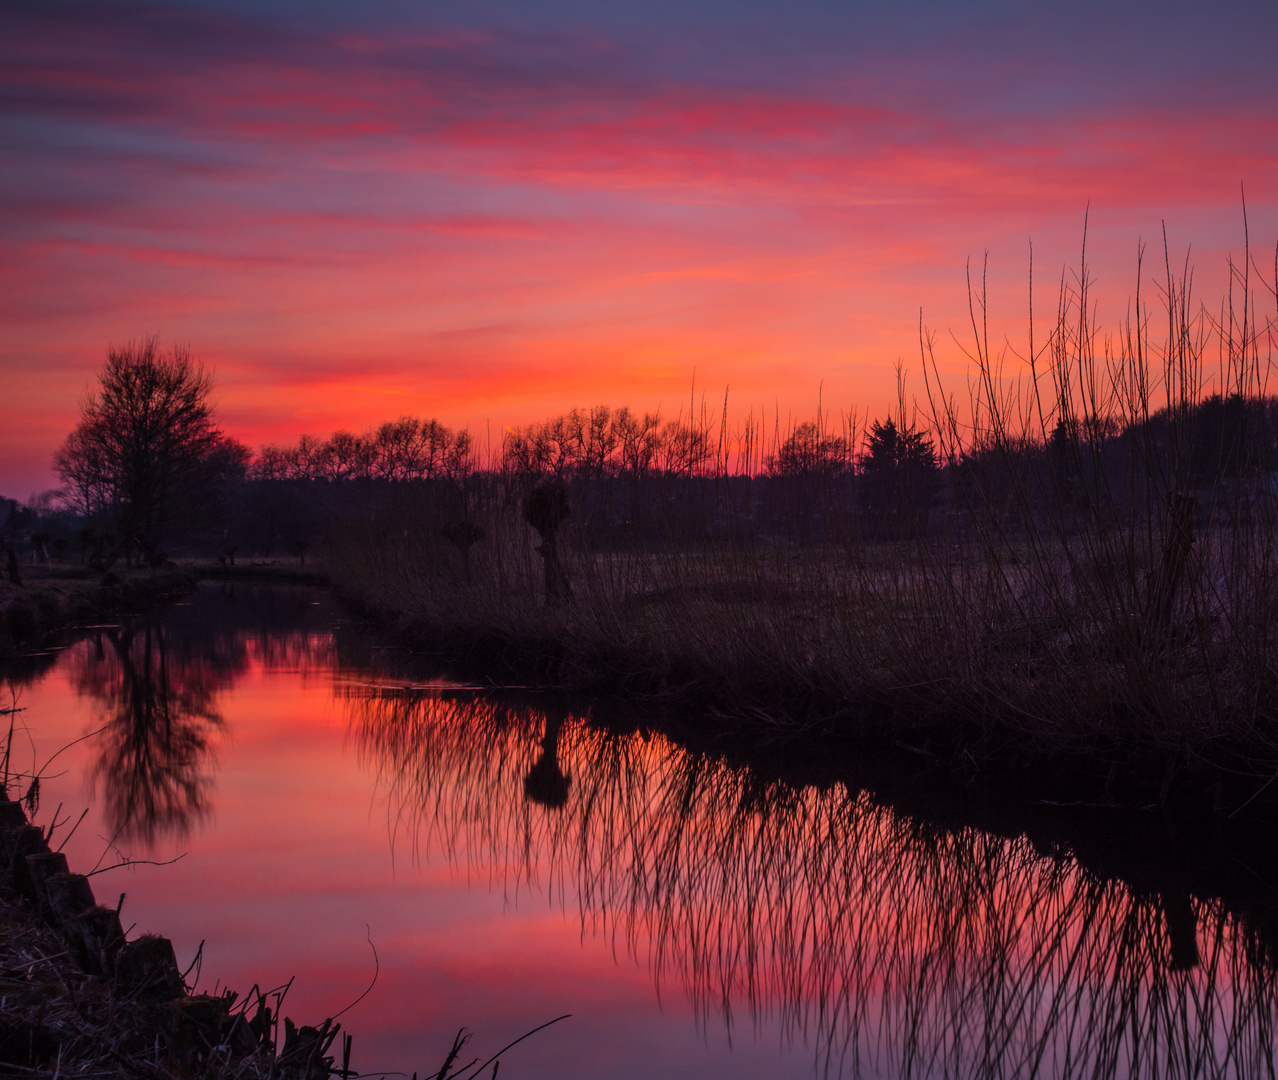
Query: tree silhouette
146, 450
808, 451
545, 508
898, 474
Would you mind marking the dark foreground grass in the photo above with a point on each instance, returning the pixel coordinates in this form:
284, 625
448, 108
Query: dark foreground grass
81, 1000
1090, 596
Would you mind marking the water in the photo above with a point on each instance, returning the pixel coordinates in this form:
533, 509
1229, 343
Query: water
509, 862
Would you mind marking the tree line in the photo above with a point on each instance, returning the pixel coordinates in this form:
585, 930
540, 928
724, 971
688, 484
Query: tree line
596, 442
147, 467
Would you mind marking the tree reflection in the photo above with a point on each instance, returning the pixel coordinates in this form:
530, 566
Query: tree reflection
888, 945
155, 764
156, 680
546, 782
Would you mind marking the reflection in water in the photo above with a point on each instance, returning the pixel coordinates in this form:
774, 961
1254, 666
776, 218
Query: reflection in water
888, 946
546, 782
156, 679
154, 765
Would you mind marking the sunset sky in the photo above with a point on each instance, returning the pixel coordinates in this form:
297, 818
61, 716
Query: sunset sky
488, 212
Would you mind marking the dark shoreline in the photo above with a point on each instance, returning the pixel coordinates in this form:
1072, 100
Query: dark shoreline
1180, 849
81, 998
766, 705
58, 600
814, 736
743, 715
55, 603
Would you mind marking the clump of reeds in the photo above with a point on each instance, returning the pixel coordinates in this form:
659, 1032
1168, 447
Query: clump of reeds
1077, 570
1119, 513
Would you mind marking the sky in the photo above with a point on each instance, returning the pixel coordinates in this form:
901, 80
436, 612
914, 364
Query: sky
493, 211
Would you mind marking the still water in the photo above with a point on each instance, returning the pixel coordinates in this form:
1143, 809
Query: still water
510, 862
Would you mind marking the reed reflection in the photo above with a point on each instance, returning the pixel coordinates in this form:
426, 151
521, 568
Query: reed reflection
885, 945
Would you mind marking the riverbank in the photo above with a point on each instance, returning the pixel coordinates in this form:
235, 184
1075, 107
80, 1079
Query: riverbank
51, 599
81, 999
56, 599
266, 571
1026, 668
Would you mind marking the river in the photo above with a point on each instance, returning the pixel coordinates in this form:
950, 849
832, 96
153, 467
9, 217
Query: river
316, 807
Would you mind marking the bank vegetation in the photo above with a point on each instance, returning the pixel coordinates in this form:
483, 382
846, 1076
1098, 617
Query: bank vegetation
1069, 573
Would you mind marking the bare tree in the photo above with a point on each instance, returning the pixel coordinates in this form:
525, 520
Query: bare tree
809, 451
146, 450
